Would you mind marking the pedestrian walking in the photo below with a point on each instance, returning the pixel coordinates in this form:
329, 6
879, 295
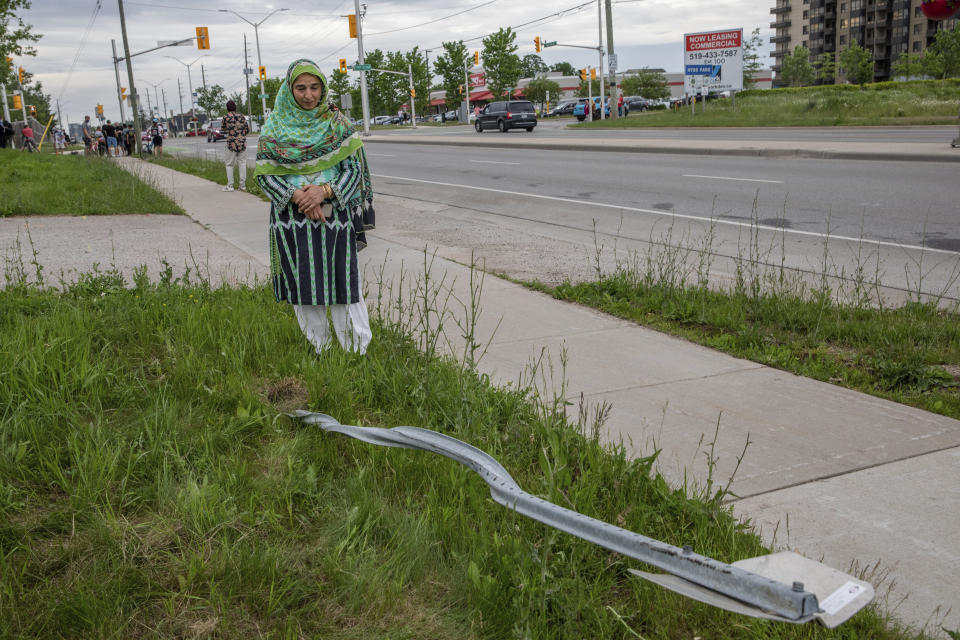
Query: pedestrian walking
235, 127
131, 141
110, 133
312, 165
28, 144
156, 138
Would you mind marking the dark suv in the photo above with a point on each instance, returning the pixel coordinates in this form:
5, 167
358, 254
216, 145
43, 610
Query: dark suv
507, 114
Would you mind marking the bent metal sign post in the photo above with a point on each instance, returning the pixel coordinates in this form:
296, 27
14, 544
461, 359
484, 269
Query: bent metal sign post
713, 61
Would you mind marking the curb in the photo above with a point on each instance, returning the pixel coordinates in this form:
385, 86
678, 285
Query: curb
886, 156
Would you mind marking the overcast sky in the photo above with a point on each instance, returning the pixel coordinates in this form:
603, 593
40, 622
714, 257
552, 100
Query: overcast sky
646, 33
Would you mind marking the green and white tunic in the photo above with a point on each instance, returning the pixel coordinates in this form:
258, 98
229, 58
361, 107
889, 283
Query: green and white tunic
314, 262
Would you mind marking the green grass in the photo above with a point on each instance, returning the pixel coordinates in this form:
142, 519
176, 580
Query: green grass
42, 183
150, 487
212, 170
923, 102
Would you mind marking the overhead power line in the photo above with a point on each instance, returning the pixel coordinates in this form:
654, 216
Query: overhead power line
83, 43
423, 24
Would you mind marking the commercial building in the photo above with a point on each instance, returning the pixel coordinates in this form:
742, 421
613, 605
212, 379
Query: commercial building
886, 28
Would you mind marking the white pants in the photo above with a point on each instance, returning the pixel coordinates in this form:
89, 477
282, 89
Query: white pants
236, 158
350, 322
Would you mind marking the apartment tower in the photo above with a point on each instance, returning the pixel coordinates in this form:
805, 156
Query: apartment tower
886, 28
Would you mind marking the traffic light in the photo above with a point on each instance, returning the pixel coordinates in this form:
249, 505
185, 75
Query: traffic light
536, 43
593, 73
460, 90
33, 111
9, 62
263, 72
352, 21
20, 75
413, 92
123, 93
583, 75
99, 109
203, 38
476, 58
16, 102
343, 65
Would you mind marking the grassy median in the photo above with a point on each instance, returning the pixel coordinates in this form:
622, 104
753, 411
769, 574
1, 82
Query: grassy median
923, 102
151, 486
42, 183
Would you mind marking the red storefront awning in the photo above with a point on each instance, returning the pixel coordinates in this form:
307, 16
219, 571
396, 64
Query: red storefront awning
481, 95
436, 102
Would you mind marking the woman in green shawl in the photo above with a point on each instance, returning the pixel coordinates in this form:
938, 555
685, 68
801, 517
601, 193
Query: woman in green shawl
311, 164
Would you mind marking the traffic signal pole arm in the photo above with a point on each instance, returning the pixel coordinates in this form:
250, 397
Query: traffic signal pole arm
177, 43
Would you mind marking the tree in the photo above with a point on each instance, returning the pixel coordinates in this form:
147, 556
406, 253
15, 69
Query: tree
381, 89
338, 84
588, 88
944, 52
564, 67
647, 83
213, 100
752, 47
270, 87
827, 68
908, 65
538, 88
856, 64
417, 61
500, 61
449, 66
796, 70
15, 37
532, 64
33, 96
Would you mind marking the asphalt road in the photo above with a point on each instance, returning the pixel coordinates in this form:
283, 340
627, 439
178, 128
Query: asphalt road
894, 202
559, 127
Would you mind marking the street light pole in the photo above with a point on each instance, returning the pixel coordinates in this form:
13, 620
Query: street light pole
190, 83
256, 33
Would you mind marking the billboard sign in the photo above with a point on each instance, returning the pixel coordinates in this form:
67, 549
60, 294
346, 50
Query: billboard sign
713, 61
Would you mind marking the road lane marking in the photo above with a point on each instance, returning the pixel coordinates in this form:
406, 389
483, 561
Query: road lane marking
692, 175
683, 216
492, 162
382, 155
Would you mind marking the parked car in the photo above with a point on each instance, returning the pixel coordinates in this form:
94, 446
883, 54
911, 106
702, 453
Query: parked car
215, 130
381, 120
635, 103
580, 110
563, 109
507, 114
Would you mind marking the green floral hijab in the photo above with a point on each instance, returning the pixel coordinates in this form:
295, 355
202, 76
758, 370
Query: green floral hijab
298, 141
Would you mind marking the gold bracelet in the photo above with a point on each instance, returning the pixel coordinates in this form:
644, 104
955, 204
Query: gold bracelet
328, 190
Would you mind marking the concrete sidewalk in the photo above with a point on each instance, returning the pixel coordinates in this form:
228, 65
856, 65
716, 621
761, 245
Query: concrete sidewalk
862, 480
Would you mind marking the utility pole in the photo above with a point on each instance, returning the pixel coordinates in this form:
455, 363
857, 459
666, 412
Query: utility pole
116, 72
466, 91
133, 92
149, 106
203, 76
246, 77
612, 59
413, 98
163, 93
256, 33
180, 93
603, 109
189, 81
364, 99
